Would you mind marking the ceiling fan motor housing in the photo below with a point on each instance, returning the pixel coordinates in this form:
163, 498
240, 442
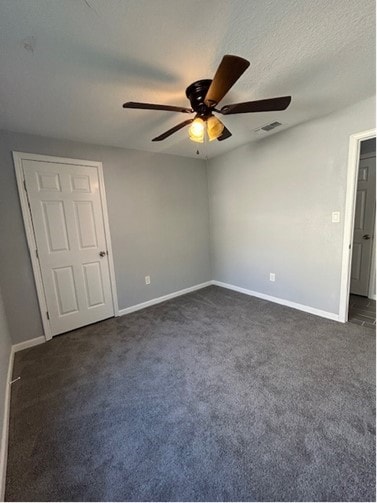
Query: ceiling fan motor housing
196, 93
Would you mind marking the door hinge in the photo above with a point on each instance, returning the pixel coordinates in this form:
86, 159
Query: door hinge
25, 186
48, 316
36, 252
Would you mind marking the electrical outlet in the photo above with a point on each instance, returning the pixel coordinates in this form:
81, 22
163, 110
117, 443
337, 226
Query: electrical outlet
147, 280
272, 276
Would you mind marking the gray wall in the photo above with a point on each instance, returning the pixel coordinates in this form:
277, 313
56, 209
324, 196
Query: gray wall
270, 209
270, 205
5, 348
158, 213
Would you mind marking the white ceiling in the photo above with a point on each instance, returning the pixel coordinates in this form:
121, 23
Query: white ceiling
67, 66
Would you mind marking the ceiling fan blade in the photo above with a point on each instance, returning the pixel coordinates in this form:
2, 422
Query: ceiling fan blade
225, 134
269, 105
229, 71
153, 106
174, 129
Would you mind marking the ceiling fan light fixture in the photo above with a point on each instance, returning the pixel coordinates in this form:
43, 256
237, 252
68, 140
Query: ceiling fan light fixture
205, 94
197, 130
214, 127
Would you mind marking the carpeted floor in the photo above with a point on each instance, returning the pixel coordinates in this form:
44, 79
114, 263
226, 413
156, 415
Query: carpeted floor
213, 396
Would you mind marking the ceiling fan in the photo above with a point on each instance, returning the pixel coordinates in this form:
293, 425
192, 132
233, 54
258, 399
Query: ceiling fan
205, 94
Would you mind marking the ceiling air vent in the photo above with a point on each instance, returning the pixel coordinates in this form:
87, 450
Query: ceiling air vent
261, 131
273, 125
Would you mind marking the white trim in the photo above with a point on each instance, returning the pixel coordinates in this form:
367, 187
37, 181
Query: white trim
277, 300
28, 344
108, 239
349, 216
18, 157
158, 300
51, 158
5, 431
372, 272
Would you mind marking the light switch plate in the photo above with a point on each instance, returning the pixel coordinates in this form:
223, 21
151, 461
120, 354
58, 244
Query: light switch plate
335, 217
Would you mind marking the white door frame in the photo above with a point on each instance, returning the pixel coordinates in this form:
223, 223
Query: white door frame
371, 291
18, 158
349, 217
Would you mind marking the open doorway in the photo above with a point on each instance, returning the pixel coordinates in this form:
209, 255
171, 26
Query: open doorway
362, 292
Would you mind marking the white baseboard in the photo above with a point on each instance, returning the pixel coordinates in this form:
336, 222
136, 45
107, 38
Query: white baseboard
28, 344
4, 433
277, 300
158, 300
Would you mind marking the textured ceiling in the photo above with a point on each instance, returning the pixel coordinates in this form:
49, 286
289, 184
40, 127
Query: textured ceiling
67, 66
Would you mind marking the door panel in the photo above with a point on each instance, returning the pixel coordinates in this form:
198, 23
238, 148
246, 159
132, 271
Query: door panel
80, 183
65, 290
67, 214
55, 226
364, 226
93, 284
48, 181
356, 262
85, 224
360, 210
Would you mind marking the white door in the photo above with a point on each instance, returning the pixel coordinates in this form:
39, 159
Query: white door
68, 222
364, 226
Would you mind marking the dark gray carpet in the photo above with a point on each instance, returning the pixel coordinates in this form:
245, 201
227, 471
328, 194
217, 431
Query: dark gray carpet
211, 396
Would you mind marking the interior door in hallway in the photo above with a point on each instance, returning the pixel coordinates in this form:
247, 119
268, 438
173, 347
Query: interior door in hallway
364, 226
68, 222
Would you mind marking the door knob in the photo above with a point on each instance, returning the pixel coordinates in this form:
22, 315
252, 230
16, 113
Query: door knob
102, 253
366, 236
